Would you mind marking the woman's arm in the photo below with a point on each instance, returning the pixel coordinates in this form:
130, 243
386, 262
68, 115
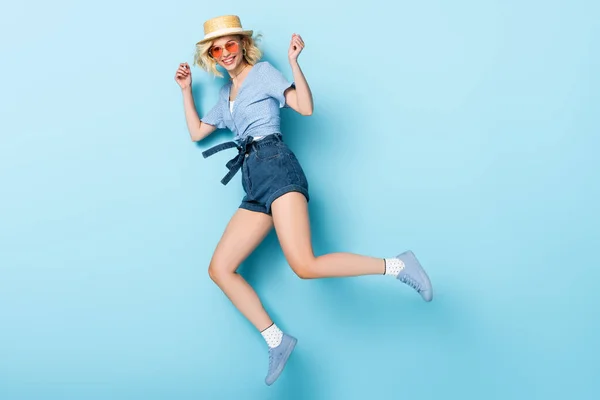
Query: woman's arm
298, 98
198, 129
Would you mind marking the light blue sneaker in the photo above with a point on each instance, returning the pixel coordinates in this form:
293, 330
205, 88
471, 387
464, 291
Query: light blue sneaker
414, 275
278, 356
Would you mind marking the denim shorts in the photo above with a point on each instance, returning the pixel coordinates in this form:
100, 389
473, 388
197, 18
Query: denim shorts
270, 170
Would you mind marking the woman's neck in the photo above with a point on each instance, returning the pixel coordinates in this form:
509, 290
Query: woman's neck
235, 74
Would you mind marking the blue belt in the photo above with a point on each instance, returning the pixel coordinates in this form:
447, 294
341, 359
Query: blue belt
236, 162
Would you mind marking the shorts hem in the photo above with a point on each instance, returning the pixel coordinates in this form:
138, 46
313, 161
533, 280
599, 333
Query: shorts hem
253, 207
284, 190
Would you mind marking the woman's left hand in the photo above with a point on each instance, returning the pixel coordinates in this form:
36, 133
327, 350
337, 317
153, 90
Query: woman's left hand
296, 46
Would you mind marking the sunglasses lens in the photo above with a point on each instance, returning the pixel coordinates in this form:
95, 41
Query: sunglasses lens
232, 47
216, 52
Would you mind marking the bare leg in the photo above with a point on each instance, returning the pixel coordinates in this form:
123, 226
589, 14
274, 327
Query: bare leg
291, 221
244, 232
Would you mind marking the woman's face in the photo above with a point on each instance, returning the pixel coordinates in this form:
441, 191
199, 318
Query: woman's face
227, 51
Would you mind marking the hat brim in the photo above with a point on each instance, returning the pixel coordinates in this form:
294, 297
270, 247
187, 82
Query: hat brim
209, 38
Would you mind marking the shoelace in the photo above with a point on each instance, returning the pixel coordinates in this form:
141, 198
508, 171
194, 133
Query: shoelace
270, 358
411, 282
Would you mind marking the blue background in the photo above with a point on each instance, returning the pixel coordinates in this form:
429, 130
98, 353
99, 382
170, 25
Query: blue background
466, 131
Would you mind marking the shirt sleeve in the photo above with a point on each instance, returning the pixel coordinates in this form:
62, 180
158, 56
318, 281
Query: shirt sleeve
214, 116
277, 84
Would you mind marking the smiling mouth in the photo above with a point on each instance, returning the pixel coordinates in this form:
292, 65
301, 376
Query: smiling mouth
229, 60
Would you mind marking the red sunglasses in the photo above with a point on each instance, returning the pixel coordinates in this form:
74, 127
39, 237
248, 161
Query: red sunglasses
217, 51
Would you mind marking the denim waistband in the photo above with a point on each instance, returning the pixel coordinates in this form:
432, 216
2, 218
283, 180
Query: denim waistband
244, 147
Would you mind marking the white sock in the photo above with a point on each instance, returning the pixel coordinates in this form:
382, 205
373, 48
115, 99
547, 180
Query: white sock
393, 266
272, 335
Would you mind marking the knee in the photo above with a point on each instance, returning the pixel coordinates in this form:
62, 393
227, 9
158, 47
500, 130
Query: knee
305, 268
218, 272
213, 272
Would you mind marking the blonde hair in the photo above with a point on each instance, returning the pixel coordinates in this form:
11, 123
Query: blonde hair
252, 54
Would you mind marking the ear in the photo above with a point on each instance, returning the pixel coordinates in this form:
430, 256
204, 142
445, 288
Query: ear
245, 44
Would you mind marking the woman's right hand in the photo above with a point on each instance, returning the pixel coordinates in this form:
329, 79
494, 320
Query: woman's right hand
183, 76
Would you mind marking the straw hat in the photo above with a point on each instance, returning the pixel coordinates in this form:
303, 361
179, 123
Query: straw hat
223, 26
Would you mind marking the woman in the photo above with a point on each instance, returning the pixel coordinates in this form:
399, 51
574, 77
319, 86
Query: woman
276, 189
